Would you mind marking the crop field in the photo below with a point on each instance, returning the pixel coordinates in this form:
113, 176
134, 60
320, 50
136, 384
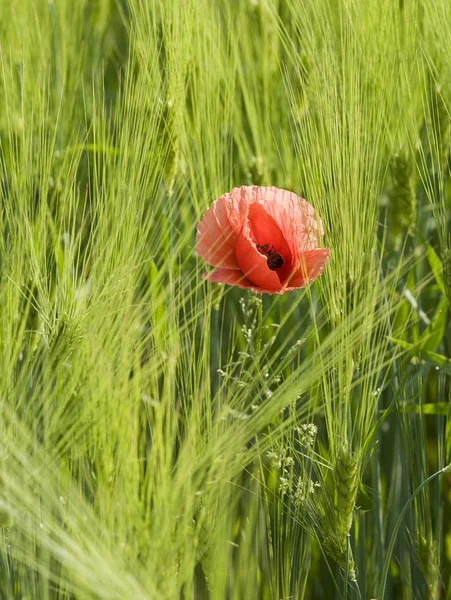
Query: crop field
244, 401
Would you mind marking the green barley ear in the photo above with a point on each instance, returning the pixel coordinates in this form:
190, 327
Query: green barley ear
346, 481
337, 531
447, 271
208, 555
403, 204
337, 548
441, 126
427, 555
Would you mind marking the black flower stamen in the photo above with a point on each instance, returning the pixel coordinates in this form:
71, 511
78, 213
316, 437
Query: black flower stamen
274, 259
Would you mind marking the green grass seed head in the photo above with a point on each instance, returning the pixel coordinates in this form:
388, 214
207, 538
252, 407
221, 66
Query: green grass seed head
346, 481
427, 555
403, 202
336, 530
337, 548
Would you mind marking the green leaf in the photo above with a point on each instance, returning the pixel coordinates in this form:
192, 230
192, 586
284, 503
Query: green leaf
430, 408
427, 355
436, 267
433, 334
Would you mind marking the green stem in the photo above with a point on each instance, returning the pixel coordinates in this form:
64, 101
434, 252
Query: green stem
398, 526
258, 346
346, 577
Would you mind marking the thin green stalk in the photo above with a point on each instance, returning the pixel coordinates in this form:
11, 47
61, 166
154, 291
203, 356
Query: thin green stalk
258, 345
346, 576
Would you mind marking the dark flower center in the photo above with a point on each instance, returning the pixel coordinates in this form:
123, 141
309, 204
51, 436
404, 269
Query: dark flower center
274, 259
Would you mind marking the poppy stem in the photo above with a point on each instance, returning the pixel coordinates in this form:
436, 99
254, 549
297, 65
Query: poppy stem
258, 345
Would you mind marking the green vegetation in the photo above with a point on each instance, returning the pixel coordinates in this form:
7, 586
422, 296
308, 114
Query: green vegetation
162, 437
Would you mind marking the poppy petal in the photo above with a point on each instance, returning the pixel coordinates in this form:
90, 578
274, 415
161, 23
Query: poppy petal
219, 228
214, 245
267, 222
302, 224
312, 263
234, 277
231, 210
254, 264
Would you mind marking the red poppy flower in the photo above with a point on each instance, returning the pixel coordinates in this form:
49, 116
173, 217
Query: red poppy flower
262, 238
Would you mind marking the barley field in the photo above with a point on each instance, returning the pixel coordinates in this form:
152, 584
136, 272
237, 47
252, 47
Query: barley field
163, 436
